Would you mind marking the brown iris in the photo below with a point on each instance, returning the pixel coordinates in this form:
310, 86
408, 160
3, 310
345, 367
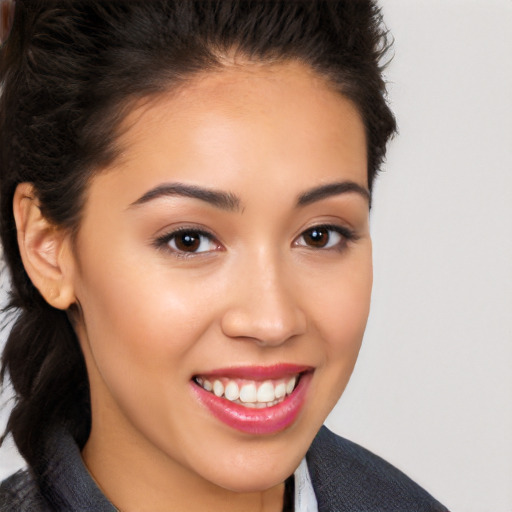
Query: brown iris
317, 237
188, 242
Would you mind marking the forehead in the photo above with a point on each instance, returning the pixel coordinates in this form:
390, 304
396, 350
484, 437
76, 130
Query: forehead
272, 122
241, 86
288, 91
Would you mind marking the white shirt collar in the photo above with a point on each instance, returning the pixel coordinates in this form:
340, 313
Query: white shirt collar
305, 499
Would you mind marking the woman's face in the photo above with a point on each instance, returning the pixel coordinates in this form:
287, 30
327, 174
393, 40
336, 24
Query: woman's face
223, 271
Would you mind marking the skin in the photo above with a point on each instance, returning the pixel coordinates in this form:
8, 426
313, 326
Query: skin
257, 293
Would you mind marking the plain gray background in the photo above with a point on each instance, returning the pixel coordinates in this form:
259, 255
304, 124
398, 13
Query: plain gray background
432, 390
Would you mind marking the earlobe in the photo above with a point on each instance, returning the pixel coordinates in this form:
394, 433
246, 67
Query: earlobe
45, 249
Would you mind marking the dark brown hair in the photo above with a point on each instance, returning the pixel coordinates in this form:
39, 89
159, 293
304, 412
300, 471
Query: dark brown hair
69, 72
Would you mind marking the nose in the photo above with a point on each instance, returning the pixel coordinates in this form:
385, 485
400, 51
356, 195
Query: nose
264, 306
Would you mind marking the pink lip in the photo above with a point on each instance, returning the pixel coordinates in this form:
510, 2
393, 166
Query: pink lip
269, 420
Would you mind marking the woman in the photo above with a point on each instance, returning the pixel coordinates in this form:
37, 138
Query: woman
185, 197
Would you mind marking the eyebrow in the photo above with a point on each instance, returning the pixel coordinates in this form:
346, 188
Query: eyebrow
333, 189
230, 202
217, 198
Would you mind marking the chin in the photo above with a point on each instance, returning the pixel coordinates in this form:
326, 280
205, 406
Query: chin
259, 466
256, 479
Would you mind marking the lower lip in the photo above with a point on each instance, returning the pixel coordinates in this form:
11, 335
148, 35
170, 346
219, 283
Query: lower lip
269, 420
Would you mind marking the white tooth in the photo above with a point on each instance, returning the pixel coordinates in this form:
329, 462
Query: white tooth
260, 405
232, 392
250, 405
266, 392
290, 386
248, 393
280, 390
218, 388
207, 385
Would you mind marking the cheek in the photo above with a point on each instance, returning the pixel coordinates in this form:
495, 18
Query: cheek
343, 323
343, 305
342, 310
137, 333
347, 317
140, 321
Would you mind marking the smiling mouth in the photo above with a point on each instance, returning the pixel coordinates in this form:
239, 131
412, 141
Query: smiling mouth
250, 393
255, 400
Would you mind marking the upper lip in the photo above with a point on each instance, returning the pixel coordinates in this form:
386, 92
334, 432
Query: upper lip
275, 371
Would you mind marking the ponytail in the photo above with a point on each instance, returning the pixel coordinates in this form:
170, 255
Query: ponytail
43, 360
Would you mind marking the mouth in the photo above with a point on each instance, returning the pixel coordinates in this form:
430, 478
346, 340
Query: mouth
254, 400
250, 393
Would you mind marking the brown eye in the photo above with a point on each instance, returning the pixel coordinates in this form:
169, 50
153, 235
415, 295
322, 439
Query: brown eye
188, 242
317, 237
324, 237
191, 242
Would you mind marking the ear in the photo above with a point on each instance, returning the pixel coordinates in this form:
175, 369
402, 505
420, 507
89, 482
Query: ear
45, 249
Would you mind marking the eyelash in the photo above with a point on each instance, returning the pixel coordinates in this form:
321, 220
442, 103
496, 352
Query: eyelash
163, 242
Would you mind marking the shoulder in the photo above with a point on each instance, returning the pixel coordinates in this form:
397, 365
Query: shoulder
348, 477
20, 493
